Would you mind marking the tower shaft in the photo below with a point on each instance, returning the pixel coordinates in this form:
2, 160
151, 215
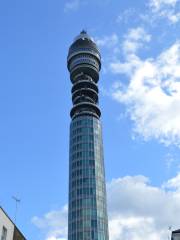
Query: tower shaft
87, 216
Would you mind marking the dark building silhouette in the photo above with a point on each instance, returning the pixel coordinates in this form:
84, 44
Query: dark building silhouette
175, 235
87, 218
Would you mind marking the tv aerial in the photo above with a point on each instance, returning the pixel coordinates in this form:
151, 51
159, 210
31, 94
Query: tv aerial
17, 201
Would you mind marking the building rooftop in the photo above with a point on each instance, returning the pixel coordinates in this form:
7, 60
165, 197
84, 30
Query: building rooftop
176, 231
1, 209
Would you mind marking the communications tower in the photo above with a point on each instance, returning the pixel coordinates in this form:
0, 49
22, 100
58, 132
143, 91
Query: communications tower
87, 216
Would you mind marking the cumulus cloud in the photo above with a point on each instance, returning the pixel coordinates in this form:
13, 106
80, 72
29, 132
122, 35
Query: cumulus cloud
53, 224
72, 5
173, 183
135, 39
126, 15
137, 210
157, 4
132, 42
152, 94
166, 9
108, 41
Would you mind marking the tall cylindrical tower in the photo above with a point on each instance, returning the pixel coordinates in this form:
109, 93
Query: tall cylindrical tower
87, 218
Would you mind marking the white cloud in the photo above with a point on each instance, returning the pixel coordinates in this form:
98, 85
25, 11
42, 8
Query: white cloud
135, 228
166, 9
137, 210
128, 67
53, 223
174, 183
108, 41
170, 161
72, 5
152, 95
158, 4
126, 15
135, 39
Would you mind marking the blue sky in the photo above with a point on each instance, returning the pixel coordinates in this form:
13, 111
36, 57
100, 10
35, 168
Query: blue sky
139, 97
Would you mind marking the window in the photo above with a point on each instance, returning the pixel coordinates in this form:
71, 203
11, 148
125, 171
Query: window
4, 233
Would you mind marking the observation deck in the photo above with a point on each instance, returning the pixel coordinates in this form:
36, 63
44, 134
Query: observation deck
84, 64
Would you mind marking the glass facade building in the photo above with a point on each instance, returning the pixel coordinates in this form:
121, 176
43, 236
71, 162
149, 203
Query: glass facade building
87, 216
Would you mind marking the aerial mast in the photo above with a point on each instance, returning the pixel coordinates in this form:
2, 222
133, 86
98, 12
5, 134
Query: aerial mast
17, 201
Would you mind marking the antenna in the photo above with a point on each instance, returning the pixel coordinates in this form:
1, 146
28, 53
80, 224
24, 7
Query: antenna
169, 234
83, 31
17, 201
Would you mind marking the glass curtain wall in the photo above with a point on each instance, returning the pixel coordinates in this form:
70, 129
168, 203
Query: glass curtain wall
87, 194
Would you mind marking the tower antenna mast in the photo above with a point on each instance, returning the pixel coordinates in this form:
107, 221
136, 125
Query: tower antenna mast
16, 201
169, 232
